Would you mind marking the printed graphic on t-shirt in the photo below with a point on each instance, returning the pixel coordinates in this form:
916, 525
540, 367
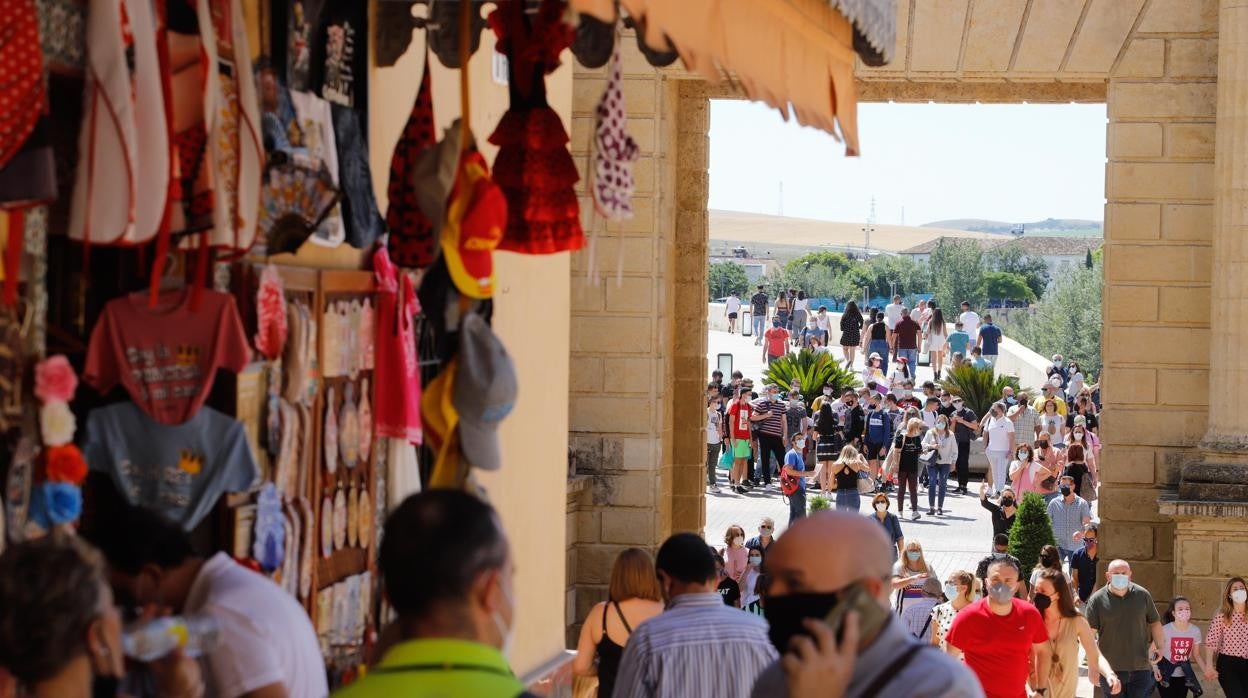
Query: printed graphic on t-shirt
165, 372
1181, 649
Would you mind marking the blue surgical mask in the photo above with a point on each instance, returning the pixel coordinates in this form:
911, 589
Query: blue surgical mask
951, 591
1000, 592
1119, 581
913, 555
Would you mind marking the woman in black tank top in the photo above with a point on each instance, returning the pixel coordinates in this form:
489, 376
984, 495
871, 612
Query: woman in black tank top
609, 653
633, 584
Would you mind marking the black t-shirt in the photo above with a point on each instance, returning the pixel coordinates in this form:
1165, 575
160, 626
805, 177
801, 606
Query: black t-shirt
758, 304
911, 447
730, 591
1077, 471
1087, 416
962, 432
1086, 566
847, 479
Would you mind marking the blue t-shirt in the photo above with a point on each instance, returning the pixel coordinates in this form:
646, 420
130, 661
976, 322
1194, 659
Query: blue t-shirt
991, 337
957, 342
793, 459
178, 470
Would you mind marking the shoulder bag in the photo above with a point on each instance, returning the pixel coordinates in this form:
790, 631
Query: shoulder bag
865, 484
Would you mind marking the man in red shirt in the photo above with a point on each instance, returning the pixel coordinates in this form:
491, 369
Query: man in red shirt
1000, 636
739, 413
907, 335
777, 344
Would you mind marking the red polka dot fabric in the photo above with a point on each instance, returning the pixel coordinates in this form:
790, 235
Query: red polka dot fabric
411, 243
23, 98
1228, 638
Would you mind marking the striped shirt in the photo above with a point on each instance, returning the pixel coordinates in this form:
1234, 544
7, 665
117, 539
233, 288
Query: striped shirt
773, 425
1068, 519
1025, 425
697, 647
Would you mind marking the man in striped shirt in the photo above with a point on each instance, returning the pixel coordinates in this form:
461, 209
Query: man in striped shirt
698, 646
768, 418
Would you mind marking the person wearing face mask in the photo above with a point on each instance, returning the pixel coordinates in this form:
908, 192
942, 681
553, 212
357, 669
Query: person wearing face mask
1083, 565
764, 540
714, 441
1048, 560
907, 399
910, 572
697, 646
60, 632
909, 444
1067, 631
1077, 468
1002, 638
999, 437
961, 589
1068, 513
266, 644
796, 421
941, 442
728, 588
735, 553
888, 522
873, 371
1027, 474
965, 427
875, 342
918, 614
844, 476
902, 373
1000, 551
751, 599
456, 604
827, 396
1086, 440
876, 433
1002, 511
794, 466
1057, 368
1226, 652
1126, 620
872, 654
1175, 675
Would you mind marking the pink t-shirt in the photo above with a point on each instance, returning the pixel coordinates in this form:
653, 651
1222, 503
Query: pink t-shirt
396, 400
166, 357
776, 337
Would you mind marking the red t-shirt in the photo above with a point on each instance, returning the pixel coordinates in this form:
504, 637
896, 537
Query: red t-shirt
166, 357
740, 420
998, 648
907, 334
776, 337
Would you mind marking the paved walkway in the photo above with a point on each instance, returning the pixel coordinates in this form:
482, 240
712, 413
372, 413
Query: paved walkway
957, 540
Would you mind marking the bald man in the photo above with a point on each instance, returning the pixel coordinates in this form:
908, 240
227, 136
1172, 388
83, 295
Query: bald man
804, 588
1125, 620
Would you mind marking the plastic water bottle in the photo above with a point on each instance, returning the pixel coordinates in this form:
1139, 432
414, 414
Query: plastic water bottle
194, 635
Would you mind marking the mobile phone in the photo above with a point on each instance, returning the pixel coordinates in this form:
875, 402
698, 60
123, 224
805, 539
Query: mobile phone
871, 615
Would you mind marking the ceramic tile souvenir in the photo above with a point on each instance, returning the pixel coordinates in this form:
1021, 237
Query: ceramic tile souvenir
364, 514
365, 412
307, 556
331, 433
327, 527
349, 428
367, 338
353, 518
340, 520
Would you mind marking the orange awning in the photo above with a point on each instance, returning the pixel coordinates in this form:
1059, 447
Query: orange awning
795, 55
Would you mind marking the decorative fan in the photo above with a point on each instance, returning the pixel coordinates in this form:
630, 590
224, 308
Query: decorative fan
295, 199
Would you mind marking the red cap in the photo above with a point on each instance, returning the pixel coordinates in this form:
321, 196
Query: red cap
475, 218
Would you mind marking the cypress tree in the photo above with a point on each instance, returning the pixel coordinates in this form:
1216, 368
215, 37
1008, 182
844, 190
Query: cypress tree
1031, 531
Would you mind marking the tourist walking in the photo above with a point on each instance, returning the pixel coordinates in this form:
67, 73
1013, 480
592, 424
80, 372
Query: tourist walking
965, 428
1067, 630
906, 335
759, 303
999, 437
989, 341
1003, 638
732, 309
633, 596
940, 450
877, 338
889, 522
784, 307
876, 435
1068, 513
776, 344
801, 313
970, 323
1226, 651
1083, 563
937, 338
844, 474
824, 323
697, 646
851, 332
958, 342
909, 573
714, 440
768, 420
908, 444
1028, 474
1175, 675
871, 654
961, 589
1126, 620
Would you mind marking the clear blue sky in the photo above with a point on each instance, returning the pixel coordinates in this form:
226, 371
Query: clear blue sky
1013, 163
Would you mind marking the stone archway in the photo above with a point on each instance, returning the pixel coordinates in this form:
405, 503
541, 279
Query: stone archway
638, 345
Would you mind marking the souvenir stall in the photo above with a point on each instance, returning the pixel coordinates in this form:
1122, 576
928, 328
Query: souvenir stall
203, 309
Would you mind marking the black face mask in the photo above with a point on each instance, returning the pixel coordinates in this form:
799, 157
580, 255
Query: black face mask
105, 686
1042, 602
1065, 490
785, 615
1007, 502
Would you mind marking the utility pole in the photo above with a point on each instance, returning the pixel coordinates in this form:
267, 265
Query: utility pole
868, 229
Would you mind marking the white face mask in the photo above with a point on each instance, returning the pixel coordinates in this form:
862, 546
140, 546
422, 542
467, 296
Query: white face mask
507, 632
1078, 433
827, 391
756, 561
1022, 455
1239, 596
799, 444
738, 541
881, 506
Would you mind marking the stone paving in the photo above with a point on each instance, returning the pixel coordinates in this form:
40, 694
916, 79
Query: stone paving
957, 540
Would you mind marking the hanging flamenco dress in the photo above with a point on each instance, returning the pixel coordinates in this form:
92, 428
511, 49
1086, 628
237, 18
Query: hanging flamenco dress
533, 167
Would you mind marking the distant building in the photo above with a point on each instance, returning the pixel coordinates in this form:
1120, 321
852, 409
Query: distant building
1057, 252
755, 269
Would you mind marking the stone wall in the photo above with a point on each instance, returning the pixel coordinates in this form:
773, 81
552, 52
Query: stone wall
1158, 231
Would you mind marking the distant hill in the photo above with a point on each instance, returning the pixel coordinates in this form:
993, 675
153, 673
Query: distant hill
779, 236
1056, 227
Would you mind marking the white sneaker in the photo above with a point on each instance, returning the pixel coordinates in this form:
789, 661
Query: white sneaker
915, 516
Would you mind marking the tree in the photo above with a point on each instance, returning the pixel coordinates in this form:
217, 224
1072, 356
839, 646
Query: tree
885, 273
1010, 258
1087, 262
1067, 320
1003, 285
1031, 531
835, 262
956, 267
724, 278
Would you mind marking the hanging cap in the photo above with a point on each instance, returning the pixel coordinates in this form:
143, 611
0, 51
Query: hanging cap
484, 393
475, 218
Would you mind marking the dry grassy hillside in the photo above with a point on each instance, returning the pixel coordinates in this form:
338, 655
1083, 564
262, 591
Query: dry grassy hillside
764, 230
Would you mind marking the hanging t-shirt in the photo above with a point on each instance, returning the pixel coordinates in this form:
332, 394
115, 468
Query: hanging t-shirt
166, 357
179, 471
396, 401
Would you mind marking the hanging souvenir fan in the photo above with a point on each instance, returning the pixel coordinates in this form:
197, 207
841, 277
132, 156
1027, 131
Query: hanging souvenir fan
533, 167
270, 314
296, 198
307, 555
22, 94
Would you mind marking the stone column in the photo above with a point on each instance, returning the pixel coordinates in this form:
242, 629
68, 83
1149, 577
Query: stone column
1222, 473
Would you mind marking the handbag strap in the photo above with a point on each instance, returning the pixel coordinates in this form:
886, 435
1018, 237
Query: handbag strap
926, 624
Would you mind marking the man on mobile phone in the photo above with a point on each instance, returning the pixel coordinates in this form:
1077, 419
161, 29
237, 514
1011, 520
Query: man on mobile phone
829, 618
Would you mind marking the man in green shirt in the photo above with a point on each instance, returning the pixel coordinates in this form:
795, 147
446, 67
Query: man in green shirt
448, 574
1126, 620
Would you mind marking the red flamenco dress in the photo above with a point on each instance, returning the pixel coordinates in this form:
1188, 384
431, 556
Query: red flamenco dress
533, 167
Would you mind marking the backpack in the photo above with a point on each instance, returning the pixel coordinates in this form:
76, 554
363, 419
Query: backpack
788, 484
